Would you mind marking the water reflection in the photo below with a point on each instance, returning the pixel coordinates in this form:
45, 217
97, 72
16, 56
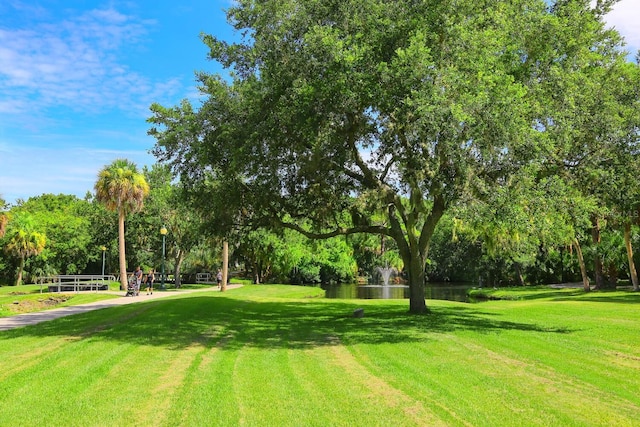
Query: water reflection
445, 291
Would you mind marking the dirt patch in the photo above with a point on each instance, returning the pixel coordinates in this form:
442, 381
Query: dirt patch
27, 306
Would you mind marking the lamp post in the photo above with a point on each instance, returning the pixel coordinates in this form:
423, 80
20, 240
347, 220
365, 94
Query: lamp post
163, 231
104, 248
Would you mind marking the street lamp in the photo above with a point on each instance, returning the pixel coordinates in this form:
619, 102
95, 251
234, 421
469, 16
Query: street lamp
163, 231
104, 248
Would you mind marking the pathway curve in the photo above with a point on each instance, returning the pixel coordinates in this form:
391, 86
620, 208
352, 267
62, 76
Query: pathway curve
26, 319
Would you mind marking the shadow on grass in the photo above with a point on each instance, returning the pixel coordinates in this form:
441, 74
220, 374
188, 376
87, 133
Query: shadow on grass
231, 323
629, 297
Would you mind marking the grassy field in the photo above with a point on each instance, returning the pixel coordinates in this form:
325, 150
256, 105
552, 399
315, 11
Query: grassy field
284, 356
28, 298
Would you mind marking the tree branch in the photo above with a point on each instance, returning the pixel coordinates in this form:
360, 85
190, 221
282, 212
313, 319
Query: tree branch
372, 229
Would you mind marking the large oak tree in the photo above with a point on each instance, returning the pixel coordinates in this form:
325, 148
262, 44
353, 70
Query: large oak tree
338, 110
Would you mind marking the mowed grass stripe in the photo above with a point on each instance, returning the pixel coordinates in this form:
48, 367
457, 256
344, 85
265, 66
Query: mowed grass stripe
166, 377
464, 378
581, 339
587, 361
566, 400
171, 370
201, 397
356, 391
24, 353
431, 375
206, 397
59, 389
267, 390
25, 347
337, 398
120, 370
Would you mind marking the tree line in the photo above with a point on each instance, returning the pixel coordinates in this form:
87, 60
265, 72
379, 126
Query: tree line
50, 234
525, 245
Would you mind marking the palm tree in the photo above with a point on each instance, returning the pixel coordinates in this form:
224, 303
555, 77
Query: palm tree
24, 242
121, 188
3, 223
3, 218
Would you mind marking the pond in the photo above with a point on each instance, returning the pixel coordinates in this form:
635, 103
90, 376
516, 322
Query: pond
446, 291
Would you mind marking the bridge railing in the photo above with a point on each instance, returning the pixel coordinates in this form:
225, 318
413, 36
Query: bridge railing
205, 278
76, 282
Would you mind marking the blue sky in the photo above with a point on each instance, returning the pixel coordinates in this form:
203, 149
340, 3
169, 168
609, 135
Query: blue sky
77, 79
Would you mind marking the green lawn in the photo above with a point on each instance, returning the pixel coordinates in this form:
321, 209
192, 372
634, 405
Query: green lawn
28, 298
284, 356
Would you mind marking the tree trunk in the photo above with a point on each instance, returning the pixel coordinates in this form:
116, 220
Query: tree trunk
612, 270
414, 263
121, 252
176, 273
583, 268
414, 247
519, 276
417, 303
632, 266
563, 277
595, 235
20, 270
225, 265
256, 274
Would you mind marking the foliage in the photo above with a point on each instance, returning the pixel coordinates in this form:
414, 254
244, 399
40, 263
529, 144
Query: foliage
203, 258
23, 240
290, 257
333, 259
525, 216
455, 256
121, 188
68, 231
4, 219
169, 205
103, 233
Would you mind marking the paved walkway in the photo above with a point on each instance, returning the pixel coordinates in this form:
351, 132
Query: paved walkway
26, 319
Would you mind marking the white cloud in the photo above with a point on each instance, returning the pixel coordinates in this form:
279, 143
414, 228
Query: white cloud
625, 17
75, 63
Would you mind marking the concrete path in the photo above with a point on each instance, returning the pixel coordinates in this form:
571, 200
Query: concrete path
26, 319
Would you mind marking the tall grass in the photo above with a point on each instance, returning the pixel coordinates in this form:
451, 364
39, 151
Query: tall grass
283, 356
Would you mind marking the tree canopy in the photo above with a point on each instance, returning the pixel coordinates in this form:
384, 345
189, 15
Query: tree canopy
24, 241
